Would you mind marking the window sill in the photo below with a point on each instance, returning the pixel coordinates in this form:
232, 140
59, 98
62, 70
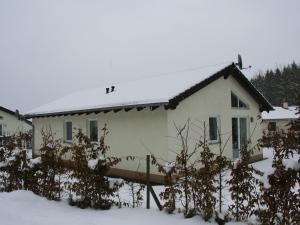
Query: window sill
235, 108
68, 142
214, 142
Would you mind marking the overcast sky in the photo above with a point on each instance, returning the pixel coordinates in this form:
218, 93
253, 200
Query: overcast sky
51, 48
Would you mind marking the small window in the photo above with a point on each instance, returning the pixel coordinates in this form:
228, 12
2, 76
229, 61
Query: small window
1, 130
68, 131
93, 130
236, 102
272, 126
242, 104
213, 128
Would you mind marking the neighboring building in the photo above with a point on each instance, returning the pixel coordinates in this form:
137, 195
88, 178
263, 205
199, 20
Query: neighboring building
280, 119
11, 123
141, 114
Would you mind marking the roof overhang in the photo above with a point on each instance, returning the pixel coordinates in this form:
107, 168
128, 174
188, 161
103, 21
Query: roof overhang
126, 108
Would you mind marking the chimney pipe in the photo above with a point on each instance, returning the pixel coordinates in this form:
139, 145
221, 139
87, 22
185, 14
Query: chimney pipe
107, 90
112, 88
285, 105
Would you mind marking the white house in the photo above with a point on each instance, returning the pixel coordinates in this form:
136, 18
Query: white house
141, 114
280, 119
11, 123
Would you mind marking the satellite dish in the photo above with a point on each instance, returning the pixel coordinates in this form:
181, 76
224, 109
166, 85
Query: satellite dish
240, 62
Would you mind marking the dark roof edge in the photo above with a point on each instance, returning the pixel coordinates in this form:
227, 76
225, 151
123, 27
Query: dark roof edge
243, 80
94, 110
227, 71
21, 117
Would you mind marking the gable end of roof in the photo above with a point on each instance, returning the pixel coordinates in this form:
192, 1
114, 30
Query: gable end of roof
8, 111
227, 71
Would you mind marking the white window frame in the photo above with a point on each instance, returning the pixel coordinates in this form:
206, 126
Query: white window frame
218, 129
88, 129
239, 99
238, 128
65, 131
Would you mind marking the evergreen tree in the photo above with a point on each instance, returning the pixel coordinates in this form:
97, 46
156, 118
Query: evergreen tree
282, 84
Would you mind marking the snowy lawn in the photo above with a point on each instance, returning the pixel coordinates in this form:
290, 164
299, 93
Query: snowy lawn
25, 208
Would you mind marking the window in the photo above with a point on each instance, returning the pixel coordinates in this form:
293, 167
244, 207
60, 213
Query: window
272, 126
236, 102
1, 130
93, 130
68, 131
213, 128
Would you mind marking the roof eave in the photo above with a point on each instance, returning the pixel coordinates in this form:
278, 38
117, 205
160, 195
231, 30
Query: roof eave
95, 110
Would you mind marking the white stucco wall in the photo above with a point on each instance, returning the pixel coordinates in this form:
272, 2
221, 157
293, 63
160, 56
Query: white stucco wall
11, 124
213, 101
132, 133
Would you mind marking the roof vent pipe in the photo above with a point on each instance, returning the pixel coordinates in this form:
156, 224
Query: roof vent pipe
112, 88
107, 90
285, 105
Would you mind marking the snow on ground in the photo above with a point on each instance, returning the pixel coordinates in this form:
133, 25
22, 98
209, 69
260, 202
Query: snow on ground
25, 208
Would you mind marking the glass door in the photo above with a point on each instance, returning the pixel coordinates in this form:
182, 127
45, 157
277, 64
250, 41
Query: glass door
239, 135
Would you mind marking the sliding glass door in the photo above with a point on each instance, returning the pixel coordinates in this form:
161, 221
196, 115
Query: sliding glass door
239, 135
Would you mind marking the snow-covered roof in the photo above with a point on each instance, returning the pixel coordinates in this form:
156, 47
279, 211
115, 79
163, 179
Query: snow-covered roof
281, 113
156, 90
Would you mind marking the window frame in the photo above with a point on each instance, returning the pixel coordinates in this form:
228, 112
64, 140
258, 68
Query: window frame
217, 140
89, 130
269, 126
239, 99
66, 130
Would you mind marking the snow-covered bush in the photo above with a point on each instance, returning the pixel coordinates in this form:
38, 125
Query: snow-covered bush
205, 182
191, 177
135, 192
14, 162
90, 186
179, 175
47, 169
280, 203
243, 186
